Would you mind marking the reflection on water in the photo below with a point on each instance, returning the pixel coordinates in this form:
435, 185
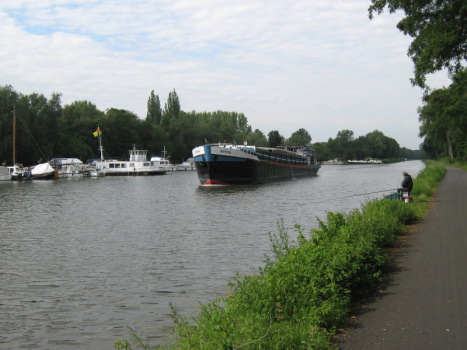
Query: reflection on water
80, 259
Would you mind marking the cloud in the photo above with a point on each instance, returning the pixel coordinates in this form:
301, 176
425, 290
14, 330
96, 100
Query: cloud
320, 65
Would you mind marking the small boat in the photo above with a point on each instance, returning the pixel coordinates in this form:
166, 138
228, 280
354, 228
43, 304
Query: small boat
335, 161
187, 165
5, 173
70, 168
42, 171
16, 171
96, 173
163, 162
366, 161
231, 164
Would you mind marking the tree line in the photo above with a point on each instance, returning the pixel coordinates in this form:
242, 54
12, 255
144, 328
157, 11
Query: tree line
47, 130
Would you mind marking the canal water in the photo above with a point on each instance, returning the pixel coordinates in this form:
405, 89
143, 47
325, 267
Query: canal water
81, 259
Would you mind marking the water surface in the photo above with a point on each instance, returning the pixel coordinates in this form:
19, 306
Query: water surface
80, 259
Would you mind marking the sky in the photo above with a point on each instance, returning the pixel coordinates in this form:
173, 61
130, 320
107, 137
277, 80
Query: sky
286, 65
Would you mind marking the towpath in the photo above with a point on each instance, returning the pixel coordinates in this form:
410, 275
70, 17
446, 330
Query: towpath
422, 303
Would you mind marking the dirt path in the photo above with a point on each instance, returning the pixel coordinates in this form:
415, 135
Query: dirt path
422, 303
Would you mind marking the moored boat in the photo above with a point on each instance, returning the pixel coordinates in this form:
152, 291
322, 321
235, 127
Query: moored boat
4, 173
42, 171
187, 165
366, 161
70, 168
136, 165
231, 164
163, 162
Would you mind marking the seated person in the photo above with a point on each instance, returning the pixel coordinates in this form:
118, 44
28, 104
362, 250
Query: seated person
406, 184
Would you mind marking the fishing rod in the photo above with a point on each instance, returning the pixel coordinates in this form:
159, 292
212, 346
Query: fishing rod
355, 195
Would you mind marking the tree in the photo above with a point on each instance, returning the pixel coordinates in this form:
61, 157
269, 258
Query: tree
439, 29
121, 131
301, 137
341, 146
8, 101
154, 113
443, 119
172, 106
322, 150
77, 121
275, 139
257, 138
376, 139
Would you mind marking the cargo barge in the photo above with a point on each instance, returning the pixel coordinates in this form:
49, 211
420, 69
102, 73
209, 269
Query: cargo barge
231, 164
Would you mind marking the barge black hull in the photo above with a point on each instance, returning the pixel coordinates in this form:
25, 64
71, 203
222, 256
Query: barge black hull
249, 172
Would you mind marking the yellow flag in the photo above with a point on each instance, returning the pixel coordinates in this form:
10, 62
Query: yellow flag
97, 132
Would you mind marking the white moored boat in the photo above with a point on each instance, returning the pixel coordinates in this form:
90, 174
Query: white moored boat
4, 174
187, 165
136, 165
70, 167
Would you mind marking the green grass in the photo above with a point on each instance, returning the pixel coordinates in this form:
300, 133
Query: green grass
458, 163
304, 293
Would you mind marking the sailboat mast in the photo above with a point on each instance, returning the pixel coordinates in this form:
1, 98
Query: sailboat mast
14, 135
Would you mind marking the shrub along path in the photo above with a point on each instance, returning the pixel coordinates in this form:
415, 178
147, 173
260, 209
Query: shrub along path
423, 302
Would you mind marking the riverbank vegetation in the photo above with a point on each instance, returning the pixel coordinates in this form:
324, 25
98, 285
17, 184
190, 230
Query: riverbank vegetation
458, 163
305, 292
46, 129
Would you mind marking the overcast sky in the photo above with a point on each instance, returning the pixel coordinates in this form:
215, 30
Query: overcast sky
319, 65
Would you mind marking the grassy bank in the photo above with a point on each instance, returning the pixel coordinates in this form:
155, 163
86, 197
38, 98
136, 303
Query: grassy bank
458, 163
303, 295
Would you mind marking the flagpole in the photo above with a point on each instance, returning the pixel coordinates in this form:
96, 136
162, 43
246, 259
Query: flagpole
100, 144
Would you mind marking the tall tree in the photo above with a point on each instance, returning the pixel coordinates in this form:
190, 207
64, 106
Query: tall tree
275, 139
341, 146
378, 145
8, 101
172, 106
439, 29
154, 113
77, 121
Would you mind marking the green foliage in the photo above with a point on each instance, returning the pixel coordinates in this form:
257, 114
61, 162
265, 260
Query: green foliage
439, 30
301, 137
275, 138
154, 114
257, 138
426, 181
373, 145
443, 118
172, 106
461, 164
45, 130
179, 132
